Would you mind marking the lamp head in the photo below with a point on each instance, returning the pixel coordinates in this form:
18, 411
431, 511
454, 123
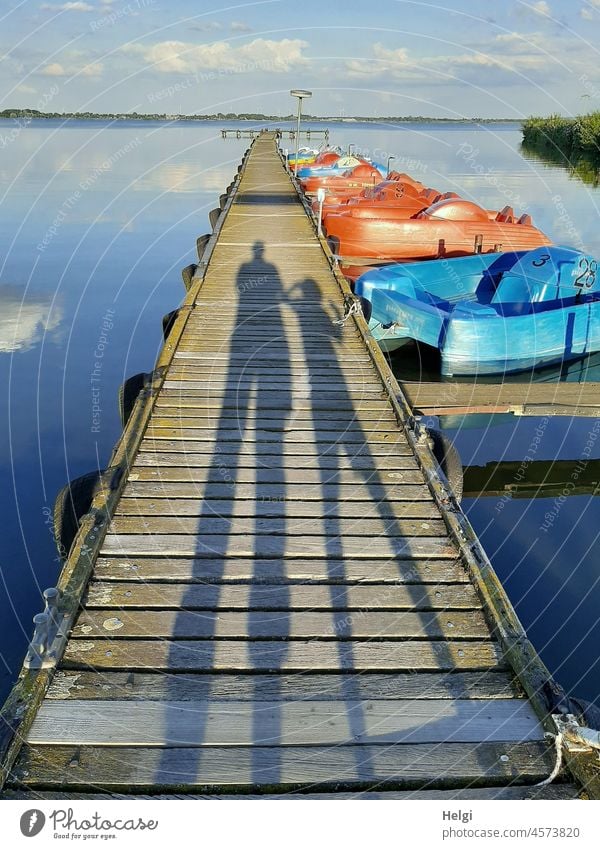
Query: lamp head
300, 92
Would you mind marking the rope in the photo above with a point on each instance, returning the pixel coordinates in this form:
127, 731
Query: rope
352, 308
558, 741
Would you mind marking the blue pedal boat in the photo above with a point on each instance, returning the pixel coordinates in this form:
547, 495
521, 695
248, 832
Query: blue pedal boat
490, 313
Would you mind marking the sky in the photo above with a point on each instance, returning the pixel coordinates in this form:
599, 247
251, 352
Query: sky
465, 58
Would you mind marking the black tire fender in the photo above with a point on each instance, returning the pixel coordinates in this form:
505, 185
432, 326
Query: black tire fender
167, 323
187, 275
71, 504
201, 243
128, 394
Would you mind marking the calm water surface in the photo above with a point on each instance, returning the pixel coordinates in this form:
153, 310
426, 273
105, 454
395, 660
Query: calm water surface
96, 222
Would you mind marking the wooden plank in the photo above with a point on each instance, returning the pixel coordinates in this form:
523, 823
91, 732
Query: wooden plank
251, 570
383, 416
249, 424
239, 391
282, 476
409, 766
266, 545
307, 449
282, 370
260, 381
203, 330
549, 792
199, 404
228, 723
290, 359
265, 359
273, 655
269, 492
277, 365
188, 624
263, 436
155, 686
272, 400
274, 460
328, 524
356, 510
286, 598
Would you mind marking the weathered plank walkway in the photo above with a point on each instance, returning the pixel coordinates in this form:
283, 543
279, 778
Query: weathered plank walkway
284, 598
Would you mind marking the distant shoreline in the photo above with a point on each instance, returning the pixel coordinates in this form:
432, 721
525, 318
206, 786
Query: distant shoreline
34, 114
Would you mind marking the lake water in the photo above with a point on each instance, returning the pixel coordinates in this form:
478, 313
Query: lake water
96, 222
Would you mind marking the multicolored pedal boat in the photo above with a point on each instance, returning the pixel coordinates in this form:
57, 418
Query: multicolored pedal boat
306, 156
489, 313
342, 165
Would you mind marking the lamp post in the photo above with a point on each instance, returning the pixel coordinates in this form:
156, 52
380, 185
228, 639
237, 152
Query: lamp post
389, 162
300, 93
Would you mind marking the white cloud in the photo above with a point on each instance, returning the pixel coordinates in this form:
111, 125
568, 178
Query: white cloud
68, 7
25, 321
240, 26
178, 57
517, 42
55, 69
586, 14
94, 69
503, 57
386, 61
541, 8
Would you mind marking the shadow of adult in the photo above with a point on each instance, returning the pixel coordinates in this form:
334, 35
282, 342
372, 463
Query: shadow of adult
248, 390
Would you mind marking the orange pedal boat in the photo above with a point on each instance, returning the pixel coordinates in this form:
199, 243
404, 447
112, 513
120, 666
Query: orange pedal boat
396, 204
387, 192
354, 179
450, 227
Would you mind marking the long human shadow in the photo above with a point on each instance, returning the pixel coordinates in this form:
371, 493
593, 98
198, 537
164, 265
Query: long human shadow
243, 392
337, 450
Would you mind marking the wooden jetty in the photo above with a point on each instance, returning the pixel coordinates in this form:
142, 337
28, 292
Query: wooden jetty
239, 133
274, 591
